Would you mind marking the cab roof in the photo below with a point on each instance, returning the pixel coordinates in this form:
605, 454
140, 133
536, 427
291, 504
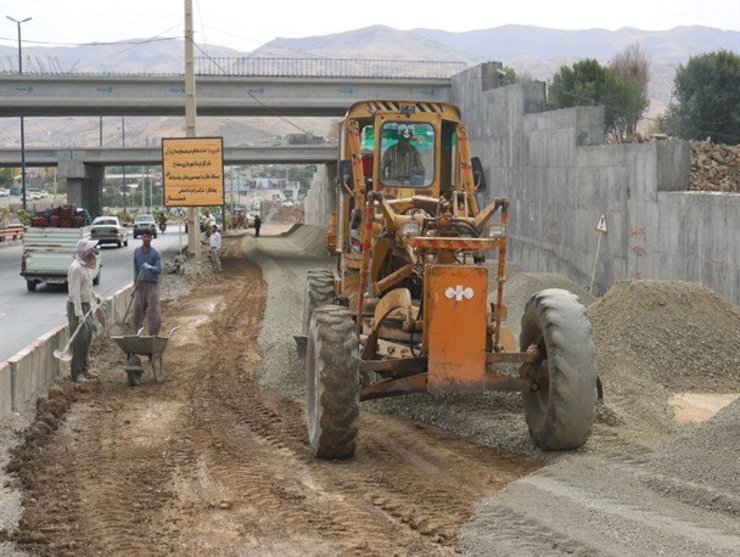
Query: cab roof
369, 108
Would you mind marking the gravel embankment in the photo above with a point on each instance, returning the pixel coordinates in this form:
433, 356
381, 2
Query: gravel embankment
653, 339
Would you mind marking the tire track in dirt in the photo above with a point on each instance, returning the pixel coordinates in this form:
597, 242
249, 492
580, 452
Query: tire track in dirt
207, 463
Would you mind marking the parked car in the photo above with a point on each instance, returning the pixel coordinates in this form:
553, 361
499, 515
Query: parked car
108, 230
144, 222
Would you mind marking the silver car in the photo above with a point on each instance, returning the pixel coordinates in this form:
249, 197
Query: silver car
108, 230
144, 222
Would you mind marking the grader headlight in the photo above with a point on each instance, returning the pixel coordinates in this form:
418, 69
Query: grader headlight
410, 229
495, 231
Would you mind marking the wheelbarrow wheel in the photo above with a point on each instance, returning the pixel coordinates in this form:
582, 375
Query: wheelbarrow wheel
134, 377
333, 383
134, 371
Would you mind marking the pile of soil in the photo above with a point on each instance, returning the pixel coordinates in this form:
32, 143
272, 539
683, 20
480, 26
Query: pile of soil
703, 463
714, 166
656, 338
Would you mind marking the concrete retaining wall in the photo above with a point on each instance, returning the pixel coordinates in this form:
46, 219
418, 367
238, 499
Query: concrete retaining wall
560, 179
319, 201
28, 374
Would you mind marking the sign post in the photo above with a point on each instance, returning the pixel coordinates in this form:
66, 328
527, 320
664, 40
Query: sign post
192, 176
601, 229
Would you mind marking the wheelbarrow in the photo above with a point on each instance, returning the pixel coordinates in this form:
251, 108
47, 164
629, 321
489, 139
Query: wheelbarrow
135, 346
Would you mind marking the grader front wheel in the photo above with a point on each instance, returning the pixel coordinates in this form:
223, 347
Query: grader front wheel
560, 407
333, 384
319, 291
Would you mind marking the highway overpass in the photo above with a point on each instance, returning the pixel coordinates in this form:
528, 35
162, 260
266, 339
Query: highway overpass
151, 95
140, 156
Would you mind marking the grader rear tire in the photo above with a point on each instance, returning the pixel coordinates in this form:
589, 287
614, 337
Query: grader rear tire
561, 413
333, 383
319, 291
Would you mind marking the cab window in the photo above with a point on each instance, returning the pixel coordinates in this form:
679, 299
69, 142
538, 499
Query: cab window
407, 154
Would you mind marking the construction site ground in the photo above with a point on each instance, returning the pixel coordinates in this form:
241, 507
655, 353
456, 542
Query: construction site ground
215, 459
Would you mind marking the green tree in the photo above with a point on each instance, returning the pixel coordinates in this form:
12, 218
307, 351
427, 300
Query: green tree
6, 177
621, 87
706, 99
582, 85
626, 92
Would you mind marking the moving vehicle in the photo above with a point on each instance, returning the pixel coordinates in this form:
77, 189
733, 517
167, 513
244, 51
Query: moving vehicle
48, 252
108, 230
144, 222
407, 308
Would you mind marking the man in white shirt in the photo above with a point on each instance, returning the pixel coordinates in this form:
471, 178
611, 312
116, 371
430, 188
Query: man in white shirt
215, 249
81, 296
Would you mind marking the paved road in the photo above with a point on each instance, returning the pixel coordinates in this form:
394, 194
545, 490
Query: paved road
24, 315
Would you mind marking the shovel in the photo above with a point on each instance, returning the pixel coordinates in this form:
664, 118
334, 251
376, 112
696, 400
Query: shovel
65, 354
131, 300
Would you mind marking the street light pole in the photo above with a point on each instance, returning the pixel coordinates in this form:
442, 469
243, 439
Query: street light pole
23, 133
123, 167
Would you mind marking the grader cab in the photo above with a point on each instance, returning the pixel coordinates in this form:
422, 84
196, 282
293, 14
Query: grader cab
407, 308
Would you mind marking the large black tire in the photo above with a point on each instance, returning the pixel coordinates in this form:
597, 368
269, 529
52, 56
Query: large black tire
30, 285
560, 414
319, 291
333, 383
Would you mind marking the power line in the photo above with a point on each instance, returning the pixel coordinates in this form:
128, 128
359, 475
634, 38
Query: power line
96, 43
135, 45
253, 97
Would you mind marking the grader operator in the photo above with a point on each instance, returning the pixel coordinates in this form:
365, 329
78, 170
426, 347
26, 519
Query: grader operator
407, 310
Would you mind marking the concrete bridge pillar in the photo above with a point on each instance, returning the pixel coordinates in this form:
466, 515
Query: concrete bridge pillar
321, 201
84, 184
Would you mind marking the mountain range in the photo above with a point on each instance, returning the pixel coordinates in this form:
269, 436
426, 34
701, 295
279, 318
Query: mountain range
534, 52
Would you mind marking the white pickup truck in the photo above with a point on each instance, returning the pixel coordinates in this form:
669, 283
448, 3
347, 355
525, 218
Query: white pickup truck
48, 252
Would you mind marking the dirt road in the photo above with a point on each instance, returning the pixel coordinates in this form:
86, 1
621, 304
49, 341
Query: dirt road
208, 463
215, 460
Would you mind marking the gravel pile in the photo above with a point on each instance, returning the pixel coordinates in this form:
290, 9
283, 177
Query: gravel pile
702, 464
656, 338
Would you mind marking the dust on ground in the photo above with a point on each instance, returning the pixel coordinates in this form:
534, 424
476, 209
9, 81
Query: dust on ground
209, 463
215, 460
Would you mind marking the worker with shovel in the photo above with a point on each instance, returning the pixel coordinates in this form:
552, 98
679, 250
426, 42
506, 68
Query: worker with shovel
81, 296
147, 269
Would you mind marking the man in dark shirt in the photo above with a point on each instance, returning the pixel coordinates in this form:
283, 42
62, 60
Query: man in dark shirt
401, 163
147, 269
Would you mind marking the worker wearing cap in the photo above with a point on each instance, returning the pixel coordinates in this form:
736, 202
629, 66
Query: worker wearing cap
81, 296
147, 269
215, 248
401, 163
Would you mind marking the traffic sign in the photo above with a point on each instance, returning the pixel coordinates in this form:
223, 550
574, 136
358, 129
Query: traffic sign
601, 225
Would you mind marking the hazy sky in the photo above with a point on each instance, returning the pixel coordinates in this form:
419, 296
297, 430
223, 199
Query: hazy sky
237, 24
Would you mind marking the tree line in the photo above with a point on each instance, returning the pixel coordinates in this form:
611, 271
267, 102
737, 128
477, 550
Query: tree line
705, 101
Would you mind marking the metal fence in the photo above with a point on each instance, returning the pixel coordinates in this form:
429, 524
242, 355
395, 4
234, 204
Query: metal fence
326, 67
264, 67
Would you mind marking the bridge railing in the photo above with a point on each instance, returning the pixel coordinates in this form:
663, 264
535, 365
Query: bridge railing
246, 66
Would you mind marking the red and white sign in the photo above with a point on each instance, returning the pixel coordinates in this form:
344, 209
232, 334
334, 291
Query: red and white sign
601, 225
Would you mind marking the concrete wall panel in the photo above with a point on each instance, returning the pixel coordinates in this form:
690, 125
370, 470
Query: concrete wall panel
561, 178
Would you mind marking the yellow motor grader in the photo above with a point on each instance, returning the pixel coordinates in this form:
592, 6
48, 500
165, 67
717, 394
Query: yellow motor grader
407, 308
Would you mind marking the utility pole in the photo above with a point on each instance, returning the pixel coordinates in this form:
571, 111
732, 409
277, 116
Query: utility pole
190, 117
23, 133
123, 167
